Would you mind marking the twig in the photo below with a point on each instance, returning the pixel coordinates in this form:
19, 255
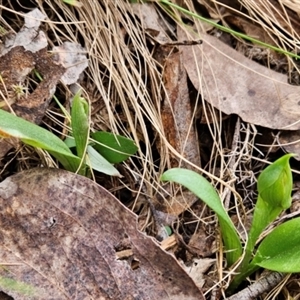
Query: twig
262, 285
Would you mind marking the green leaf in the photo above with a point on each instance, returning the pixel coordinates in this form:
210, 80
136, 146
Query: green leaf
279, 251
263, 215
274, 195
20, 287
275, 183
70, 142
80, 123
73, 3
114, 148
100, 164
168, 230
205, 191
33, 135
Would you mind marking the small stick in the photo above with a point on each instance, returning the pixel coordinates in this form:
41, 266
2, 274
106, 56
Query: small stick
262, 285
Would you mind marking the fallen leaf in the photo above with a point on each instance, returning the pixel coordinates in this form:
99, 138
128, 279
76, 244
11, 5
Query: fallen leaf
29, 37
177, 112
236, 85
151, 21
198, 268
65, 237
72, 57
290, 141
177, 119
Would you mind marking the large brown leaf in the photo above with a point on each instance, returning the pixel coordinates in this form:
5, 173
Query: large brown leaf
236, 85
69, 238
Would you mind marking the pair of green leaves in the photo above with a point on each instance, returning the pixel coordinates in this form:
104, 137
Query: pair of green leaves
279, 250
98, 153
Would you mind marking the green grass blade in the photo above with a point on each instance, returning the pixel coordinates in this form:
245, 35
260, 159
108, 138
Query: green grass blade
205, 191
226, 29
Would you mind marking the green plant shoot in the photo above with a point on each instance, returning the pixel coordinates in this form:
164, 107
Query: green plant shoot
205, 191
279, 251
114, 147
80, 124
274, 196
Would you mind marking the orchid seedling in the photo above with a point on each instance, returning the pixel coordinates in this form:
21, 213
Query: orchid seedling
88, 150
279, 250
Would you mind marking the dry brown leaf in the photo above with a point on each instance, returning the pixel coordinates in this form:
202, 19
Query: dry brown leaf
290, 141
177, 112
237, 85
151, 22
61, 233
177, 120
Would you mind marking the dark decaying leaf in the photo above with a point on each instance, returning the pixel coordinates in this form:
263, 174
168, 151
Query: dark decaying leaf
63, 234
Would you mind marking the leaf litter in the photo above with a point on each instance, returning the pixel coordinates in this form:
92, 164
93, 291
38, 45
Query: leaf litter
229, 162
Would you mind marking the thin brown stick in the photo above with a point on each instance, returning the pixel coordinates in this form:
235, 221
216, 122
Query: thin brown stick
262, 285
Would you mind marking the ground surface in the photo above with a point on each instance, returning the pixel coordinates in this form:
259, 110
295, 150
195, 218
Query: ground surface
210, 102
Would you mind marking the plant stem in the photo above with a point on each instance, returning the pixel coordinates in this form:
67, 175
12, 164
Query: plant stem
251, 268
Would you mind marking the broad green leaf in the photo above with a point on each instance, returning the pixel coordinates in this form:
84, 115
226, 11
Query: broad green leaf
274, 195
114, 148
279, 251
70, 142
80, 123
263, 215
100, 164
205, 191
275, 183
33, 135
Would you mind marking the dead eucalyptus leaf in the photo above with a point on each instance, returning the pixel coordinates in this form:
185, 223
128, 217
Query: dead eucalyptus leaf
236, 85
177, 112
62, 234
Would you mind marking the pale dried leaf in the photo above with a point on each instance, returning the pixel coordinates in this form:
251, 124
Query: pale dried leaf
151, 22
198, 268
237, 85
28, 37
73, 58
